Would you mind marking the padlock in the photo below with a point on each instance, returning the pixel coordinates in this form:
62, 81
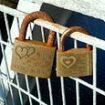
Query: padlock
33, 58
75, 62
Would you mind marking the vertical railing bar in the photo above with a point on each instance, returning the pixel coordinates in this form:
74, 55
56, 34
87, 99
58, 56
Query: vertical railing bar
11, 94
28, 89
24, 91
3, 89
38, 88
75, 43
58, 39
8, 76
2, 83
30, 26
77, 94
49, 81
94, 74
63, 90
42, 31
18, 23
61, 78
77, 83
4, 55
17, 79
36, 79
7, 28
20, 94
50, 92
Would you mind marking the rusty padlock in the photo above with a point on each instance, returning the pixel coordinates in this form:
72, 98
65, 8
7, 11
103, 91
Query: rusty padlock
33, 58
74, 62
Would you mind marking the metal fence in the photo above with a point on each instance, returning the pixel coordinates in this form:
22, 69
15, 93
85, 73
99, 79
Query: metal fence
6, 78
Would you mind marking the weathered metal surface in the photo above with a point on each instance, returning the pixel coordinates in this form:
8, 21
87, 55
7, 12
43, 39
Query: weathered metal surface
31, 57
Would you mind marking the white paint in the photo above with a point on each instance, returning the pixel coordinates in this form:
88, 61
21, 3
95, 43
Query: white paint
94, 75
38, 88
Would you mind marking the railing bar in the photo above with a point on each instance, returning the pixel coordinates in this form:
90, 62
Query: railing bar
94, 74
38, 88
89, 39
77, 83
20, 95
17, 79
50, 92
11, 93
77, 94
11, 11
63, 90
4, 74
3, 92
49, 81
99, 43
24, 91
58, 40
51, 26
8, 76
7, 28
28, 89
5, 43
61, 78
36, 79
76, 35
3, 89
42, 31
58, 28
75, 43
18, 23
30, 26
102, 92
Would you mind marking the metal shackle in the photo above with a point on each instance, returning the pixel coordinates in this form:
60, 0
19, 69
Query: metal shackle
31, 17
69, 31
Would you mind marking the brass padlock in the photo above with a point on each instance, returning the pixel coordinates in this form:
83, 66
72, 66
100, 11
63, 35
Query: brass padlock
74, 62
33, 58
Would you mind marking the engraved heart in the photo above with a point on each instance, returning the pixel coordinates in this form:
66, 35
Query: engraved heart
21, 51
68, 61
24, 51
31, 50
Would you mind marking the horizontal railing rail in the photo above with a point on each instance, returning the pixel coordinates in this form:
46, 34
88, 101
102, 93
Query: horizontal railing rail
99, 43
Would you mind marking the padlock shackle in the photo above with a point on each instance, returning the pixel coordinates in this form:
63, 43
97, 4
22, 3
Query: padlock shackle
31, 17
69, 31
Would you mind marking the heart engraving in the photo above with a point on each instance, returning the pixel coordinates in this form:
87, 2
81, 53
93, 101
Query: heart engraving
24, 51
31, 50
68, 62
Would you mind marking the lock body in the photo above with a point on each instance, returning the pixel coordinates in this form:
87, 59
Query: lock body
32, 58
74, 62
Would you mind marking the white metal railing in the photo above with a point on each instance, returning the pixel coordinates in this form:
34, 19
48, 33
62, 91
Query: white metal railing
95, 42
